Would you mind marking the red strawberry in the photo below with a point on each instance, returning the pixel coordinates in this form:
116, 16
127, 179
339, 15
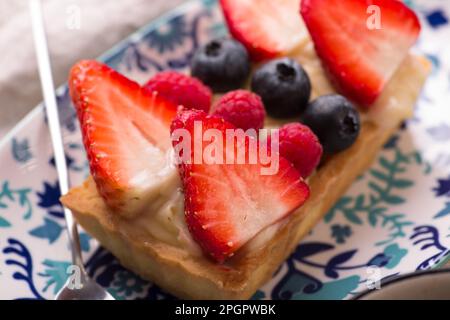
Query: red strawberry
125, 132
359, 59
267, 28
181, 89
228, 204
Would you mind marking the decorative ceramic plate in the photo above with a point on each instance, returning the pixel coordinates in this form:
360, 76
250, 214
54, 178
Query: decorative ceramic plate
394, 219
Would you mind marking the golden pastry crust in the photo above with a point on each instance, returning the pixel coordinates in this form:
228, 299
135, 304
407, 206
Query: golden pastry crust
196, 277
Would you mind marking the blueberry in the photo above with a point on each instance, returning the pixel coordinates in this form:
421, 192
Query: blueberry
222, 64
283, 86
334, 120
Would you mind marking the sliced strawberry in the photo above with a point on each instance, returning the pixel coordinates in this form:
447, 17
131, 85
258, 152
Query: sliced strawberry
125, 133
228, 204
359, 58
267, 28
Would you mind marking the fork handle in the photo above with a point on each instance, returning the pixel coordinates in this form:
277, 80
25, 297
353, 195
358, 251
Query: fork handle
51, 109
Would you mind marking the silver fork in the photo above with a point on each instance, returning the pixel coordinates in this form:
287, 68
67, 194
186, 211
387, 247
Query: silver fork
79, 285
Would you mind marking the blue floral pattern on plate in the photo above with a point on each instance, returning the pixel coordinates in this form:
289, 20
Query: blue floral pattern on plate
394, 219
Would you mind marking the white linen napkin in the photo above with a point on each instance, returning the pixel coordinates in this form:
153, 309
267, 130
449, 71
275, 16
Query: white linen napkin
76, 29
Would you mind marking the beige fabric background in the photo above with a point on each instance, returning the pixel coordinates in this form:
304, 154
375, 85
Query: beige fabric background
102, 24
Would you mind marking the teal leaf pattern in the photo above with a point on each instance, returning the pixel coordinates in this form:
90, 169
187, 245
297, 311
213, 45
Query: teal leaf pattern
383, 183
127, 284
50, 230
4, 223
9, 196
402, 183
56, 274
395, 254
352, 217
445, 211
332, 290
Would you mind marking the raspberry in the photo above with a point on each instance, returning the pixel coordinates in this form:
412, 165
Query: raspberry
181, 89
183, 117
242, 108
299, 145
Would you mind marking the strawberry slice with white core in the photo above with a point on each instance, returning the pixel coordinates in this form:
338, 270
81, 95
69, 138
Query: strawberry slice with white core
360, 57
267, 28
228, 204
125, 133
